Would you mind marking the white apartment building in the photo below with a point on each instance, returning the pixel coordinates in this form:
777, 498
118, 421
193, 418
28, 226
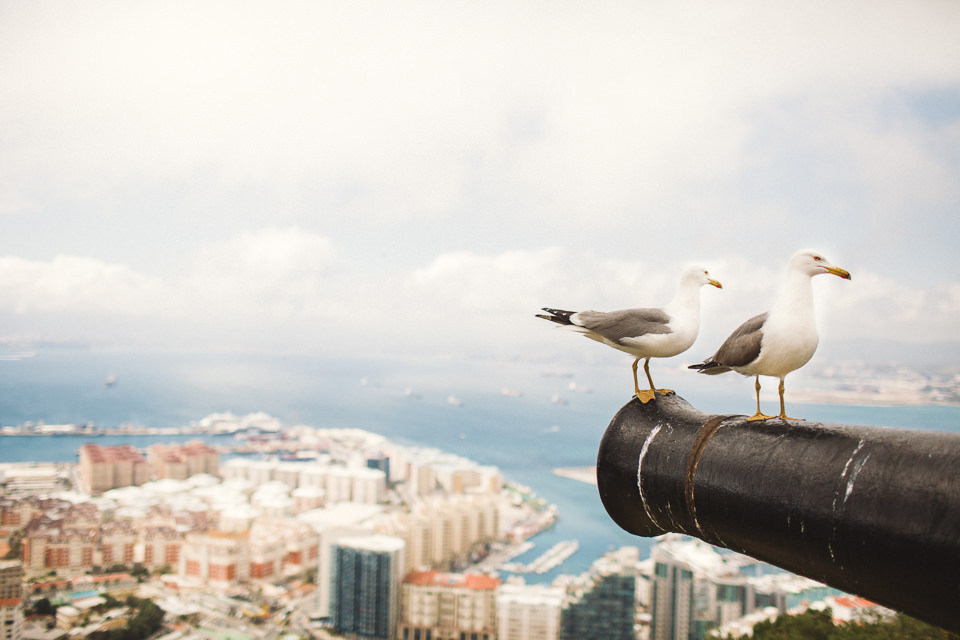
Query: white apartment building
268, 551
441, 528
448, 605
339, 483
529, 612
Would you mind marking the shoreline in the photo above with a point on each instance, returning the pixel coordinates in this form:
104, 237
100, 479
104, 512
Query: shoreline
586, 475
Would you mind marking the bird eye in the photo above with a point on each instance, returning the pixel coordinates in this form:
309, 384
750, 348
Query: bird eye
818, 258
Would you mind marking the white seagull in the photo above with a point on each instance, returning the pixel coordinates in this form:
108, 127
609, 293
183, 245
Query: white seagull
781, 340
645, 333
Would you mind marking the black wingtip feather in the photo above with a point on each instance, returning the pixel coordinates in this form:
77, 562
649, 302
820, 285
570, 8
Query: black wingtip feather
557, 315
710, 367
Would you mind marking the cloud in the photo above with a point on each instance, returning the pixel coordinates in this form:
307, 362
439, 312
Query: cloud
278, 272
71, 284
286, 289
394, 108
361, 175
229, 291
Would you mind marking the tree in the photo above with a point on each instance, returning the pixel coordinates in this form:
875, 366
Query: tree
43, 607
810, 625
819, 625
15, 543
146, 622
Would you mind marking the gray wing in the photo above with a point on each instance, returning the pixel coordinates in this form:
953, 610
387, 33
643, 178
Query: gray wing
628, 323
743, 345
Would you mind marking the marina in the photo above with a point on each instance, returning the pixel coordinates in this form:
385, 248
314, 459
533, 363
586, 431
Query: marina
551, 558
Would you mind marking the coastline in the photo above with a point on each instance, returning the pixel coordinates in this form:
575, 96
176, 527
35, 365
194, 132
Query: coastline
586, 475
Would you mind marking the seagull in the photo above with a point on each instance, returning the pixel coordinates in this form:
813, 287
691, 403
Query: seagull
781, 340
645, 333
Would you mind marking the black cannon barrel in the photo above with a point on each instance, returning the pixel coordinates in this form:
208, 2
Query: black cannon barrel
872, 511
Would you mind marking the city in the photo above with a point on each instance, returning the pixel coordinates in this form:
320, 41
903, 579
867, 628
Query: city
342, 532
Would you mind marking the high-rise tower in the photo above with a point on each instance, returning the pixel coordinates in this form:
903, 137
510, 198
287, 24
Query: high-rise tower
365, 585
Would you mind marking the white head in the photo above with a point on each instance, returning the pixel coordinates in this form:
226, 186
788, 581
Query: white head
812, 263
697, 275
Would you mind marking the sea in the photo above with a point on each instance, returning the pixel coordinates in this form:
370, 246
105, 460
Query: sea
526, 418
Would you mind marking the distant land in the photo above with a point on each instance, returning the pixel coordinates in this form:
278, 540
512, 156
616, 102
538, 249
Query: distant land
860, 383
581, 474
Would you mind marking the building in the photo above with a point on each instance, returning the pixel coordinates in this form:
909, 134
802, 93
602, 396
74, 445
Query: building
11, 600
63, 540
269, 551
105, 468
694, 588
602, 605
30, 479
339, 483
344, 520
442, 528
281, 547
444, 606
365, 586
529, 612
160, 548
218, 557
117, 542
671, 598
180, 462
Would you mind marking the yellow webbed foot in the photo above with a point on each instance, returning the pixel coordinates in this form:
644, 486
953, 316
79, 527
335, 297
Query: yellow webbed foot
646, 396
665, 392
758, 416
784, 417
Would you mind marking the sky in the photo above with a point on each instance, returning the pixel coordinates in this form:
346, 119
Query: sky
415, 178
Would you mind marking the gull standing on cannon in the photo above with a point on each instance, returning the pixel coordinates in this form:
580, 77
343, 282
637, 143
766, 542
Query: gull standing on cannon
781, 340
645, 333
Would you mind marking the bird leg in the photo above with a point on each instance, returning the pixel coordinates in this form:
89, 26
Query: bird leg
783, 411
759, 415
646, 370
643, 396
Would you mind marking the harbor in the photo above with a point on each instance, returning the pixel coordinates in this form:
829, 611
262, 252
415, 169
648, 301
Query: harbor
551, 558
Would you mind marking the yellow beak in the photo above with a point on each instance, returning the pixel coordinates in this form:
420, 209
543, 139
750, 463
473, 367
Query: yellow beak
715, 283
837, 271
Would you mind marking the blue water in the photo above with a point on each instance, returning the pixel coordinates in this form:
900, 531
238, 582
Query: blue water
526, 437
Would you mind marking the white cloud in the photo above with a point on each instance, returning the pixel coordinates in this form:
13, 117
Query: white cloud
277, 272
286, 288
630, 104
385, 174
72, 284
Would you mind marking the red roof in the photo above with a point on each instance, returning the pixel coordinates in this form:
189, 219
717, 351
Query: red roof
853, 602
475, 581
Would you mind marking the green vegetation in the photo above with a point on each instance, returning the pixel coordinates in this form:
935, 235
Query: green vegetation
140, 573
15, 542
42, 607
819, 625
142, 625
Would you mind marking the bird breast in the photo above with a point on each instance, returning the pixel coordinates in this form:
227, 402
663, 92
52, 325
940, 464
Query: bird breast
786, 346
662, 345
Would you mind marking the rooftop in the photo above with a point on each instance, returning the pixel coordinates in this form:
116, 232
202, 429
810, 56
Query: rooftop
476, 581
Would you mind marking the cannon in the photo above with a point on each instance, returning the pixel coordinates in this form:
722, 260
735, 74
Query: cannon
872, 511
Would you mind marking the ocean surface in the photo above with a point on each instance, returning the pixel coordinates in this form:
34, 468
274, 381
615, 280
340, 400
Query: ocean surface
527, 419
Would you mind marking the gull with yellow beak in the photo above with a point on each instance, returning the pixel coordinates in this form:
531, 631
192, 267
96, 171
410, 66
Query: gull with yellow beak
781, 340
647, 332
